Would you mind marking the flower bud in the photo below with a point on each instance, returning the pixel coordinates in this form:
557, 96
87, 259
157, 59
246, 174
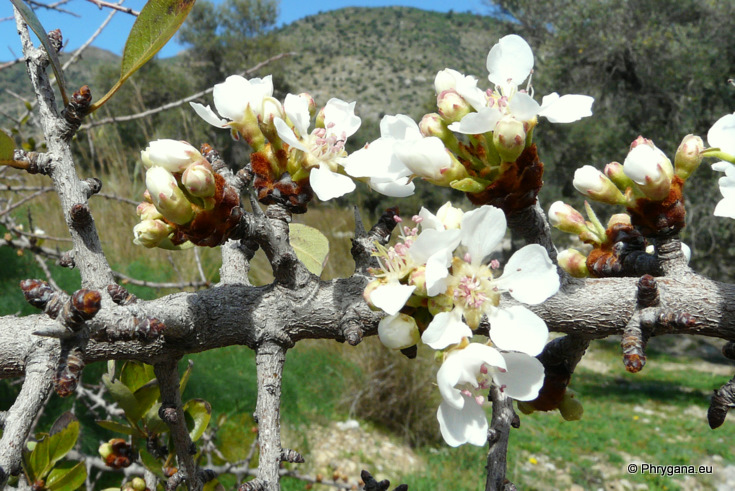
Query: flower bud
649, 168
398, 331
509, 138
445, 80
452, 106
566, 218
150, 233
614, 171
573, 262
450, 216
593, 183
138, 484
433, 125
428, 158
148, 211
198, 179
618, 218
172, 155
166, 195
688, 156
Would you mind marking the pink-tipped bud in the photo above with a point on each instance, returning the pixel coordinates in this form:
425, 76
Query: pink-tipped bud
452, 106
147, 211
649, 168
150, 233
614, 171
166, 195
433, 125
566, 218
398, 331
593, 183
172, 155
688, 156
509, 138
198, 179
573, 262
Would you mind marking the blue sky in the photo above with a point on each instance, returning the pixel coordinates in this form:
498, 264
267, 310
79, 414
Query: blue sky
76, 30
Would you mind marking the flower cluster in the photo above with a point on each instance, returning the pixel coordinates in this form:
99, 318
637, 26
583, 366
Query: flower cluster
479, 140
436, 284
186, 202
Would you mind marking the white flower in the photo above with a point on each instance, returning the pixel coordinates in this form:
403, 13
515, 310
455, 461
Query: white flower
466, 86
474, 368
649, 168
722, 136
509, 64
172, 155
593, 183
529, 276
232, 98
398, 331
323, 147
726, 206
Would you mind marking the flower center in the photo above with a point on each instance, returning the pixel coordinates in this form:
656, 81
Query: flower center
470, 292
326, 147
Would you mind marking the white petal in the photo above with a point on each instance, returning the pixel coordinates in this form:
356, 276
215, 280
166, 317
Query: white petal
430, 221
460, 426
510, 61
725, 208
722, 134
208, 115
341, 114
523, 107
518, 329
286, 134
297, 110
722, 166
445, 328
425, 158
567, 109
400, 127
482, 121
327, 184
376, 160
398, 331
391, 297
482, 231
437, 272
396, 189
431, 241
523, 378
529, 275
232, 97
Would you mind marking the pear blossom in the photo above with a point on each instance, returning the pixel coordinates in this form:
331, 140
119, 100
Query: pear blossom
510, 63
166, 195
395, 265
593, 183
398, 331
172, 155
529, 276
649, 168
233, 97
473, 369
324, 147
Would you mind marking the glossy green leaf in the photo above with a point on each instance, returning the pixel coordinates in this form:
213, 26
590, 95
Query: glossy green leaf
67, 476
30, 17
134, 375
116, 427
38, 461
310, 245
147, 397
7, 147
63, 437
153, 423
157, 23
200, 412
151, 463
123, 396
185, 377
470, 185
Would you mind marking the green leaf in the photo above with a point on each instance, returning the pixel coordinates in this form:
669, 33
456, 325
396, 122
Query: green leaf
200, 412
67, 476
470, 185
310, 245
157, 23
134, 375
7, 147
116, 427
30, 17
151, 463
63, 437
38, 461
147, 397
153, 423
213, 485
185, 377
123, 396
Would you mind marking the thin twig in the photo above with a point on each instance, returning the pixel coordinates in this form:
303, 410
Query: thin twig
89, 41
24, 200
117, 6
46, 271
180, 102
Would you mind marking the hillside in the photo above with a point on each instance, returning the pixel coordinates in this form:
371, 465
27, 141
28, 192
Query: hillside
385, 58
